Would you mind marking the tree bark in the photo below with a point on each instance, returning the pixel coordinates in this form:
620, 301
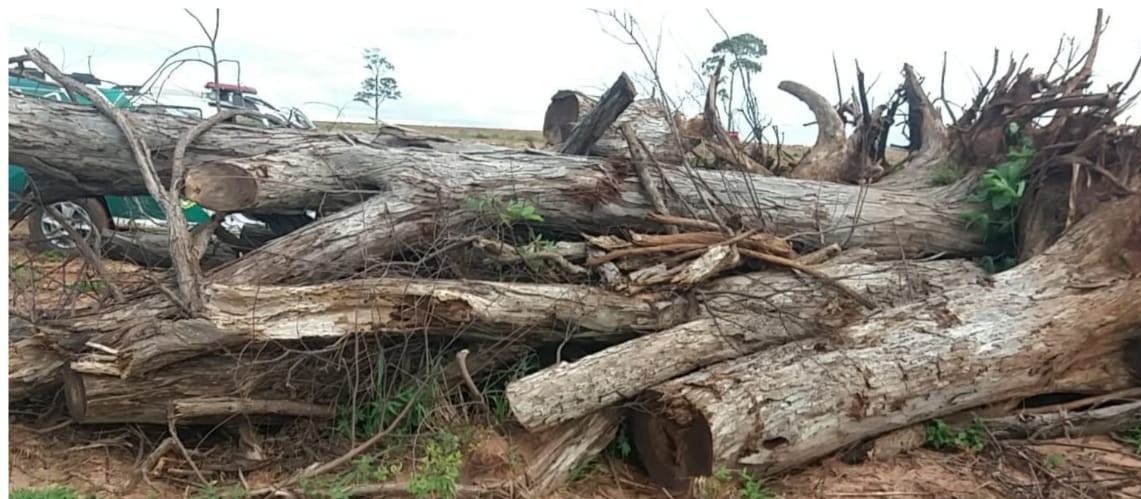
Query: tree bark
567, 108
563, 449
1069, 309
140, 338
591, 127
200, 391
153, 250
424, 184
733, 325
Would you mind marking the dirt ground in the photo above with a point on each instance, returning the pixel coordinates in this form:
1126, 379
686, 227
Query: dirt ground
1090, 467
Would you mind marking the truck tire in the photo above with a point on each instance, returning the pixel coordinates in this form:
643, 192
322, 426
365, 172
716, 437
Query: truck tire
87, 215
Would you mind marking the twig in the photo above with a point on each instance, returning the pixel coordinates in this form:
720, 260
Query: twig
509, 254
461, 361
144, 468
646, 250
1127, 394
793, 264
682, 221
187, 271
356, 451
638, 158
401, 489
93, 260
171, 427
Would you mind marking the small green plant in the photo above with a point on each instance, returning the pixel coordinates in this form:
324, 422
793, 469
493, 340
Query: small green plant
942, 436
212, 490
753, 488
1055, 460
509, 212
50, 492
999, 193
437, 470
621, 447
747, 486
494, 386
380, 411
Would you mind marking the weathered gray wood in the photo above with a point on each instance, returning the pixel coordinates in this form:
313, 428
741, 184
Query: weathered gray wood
741, 315
235, 315
1063, 313
104, 399
645, 116
425, 188
591, 127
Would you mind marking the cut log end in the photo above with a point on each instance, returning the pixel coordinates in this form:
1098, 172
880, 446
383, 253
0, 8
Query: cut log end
675, 444
221, 187
564, 110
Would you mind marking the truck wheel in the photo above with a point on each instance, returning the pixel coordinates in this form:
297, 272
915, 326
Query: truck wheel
87, 216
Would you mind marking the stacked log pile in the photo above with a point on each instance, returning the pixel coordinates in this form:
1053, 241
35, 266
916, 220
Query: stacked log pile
733, 316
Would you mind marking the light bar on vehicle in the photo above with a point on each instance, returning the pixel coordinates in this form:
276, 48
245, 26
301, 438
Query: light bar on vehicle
231, 88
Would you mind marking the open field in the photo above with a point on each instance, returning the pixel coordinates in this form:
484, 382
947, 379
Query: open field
496, 136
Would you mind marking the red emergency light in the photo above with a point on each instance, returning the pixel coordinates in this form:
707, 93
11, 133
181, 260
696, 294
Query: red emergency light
231, 88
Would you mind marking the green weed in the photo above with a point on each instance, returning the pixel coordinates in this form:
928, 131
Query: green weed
437, 470
50, 492
942, 436
998, 194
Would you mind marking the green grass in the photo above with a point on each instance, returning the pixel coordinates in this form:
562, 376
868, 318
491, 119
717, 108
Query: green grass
51, 492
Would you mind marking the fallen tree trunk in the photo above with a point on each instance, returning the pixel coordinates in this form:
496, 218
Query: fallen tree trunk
645, 116
731, 325
205, 390
1069, 309
140, 338
422, 184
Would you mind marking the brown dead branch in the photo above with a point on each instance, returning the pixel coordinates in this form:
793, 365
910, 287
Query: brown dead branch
188, 272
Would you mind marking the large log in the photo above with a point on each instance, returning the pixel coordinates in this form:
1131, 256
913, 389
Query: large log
731, 326
1062, 314
200, 391
645, 116
138, 338
422, 182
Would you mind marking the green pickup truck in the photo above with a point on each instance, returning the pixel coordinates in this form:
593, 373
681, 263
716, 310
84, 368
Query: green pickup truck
95, 215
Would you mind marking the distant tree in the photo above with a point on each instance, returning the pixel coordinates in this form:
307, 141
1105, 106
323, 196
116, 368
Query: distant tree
377, 88
742, 57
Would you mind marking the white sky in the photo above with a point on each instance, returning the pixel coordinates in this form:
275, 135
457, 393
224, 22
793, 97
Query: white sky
497, 64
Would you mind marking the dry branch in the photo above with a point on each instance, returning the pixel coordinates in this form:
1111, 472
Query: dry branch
188, 274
